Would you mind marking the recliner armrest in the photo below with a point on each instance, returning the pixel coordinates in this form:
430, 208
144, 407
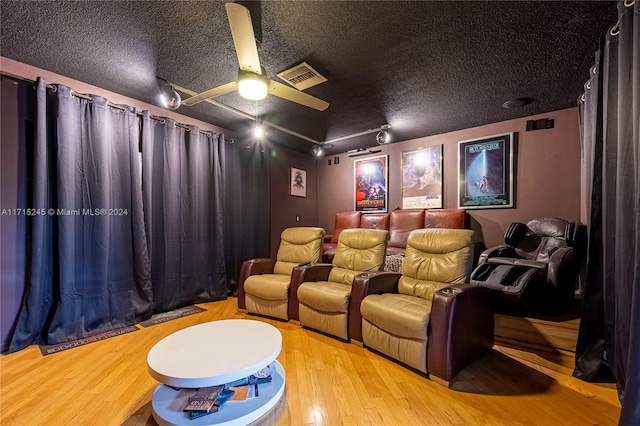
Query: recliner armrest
460, 329
563, 271
252, 267
502, 251
561, 258
300, 274
364, 284
312, 272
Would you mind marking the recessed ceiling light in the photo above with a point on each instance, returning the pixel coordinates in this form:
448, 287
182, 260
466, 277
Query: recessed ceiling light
517, 102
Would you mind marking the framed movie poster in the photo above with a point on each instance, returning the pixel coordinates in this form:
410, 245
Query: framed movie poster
371, 177
485, 177
422, 178
298, 185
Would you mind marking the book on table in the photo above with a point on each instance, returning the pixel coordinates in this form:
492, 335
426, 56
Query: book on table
210, 399
203, 402
223, 396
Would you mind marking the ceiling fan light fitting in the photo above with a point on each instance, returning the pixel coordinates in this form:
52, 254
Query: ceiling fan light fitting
252, 86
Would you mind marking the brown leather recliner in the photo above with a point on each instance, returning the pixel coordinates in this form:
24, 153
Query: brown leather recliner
344, 220
536, 271
325, 293
266, 286
427, 317
401, 223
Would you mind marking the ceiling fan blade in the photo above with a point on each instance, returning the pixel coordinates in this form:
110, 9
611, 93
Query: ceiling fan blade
243, 37
211, 93
294, 95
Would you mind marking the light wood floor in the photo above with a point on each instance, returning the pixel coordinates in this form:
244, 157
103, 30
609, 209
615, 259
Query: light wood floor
329, 382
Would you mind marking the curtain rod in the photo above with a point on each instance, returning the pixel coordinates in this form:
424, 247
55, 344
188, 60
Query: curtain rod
110, 104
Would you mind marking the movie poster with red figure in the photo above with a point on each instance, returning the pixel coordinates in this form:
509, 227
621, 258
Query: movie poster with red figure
371, 177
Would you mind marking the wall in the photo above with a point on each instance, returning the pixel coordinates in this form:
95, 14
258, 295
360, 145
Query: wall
547, 175
286, 207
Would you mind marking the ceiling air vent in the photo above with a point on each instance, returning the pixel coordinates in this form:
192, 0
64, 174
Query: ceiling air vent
302, 76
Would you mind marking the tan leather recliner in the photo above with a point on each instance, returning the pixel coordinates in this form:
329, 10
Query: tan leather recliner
418, 317
325, 293
265, 285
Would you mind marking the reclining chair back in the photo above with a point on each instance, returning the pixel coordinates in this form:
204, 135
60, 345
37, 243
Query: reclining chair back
358, 250
298, 245
436, 258
538, 238
345, 220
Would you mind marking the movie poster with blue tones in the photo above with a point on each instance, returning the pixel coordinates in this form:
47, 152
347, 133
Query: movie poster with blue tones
371, 177
486, 172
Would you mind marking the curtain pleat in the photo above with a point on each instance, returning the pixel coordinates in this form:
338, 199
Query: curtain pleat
609, 335
183, 215
590, 348
245, 170
625, 288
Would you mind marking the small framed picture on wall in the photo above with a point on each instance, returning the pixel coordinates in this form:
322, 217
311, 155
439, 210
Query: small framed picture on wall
422, 178
298, 184
370, 184
486, 178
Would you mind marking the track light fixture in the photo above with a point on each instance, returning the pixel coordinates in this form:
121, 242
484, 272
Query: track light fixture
317, 150
383, 135
169, 97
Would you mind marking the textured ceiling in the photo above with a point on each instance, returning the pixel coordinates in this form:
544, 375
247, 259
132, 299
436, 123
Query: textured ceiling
424, 67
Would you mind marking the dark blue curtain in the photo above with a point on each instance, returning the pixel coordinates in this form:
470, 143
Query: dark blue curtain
97, 260
609, 335
88, 262
183, 196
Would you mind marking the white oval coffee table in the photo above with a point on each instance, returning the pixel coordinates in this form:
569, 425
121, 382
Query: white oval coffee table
212, 354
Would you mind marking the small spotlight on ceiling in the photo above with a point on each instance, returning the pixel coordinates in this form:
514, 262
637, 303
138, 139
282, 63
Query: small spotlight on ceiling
317, 150
170, 98
383, 135
258, 131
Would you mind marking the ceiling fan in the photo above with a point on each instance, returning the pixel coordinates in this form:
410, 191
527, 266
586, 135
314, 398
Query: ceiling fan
252, 82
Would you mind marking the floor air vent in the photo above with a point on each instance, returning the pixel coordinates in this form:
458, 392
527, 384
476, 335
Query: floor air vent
302, 76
